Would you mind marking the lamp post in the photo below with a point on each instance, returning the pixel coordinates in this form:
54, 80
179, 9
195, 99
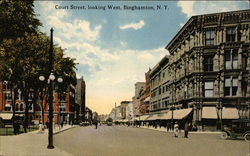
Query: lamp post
51, 78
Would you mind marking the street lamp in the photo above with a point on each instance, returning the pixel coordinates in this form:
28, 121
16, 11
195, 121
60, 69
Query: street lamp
50, 82
51, 78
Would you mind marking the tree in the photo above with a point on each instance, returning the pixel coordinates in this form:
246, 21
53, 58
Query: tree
17, 18
26, 58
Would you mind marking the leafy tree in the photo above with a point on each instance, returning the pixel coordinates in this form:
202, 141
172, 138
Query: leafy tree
17, 18
26, 58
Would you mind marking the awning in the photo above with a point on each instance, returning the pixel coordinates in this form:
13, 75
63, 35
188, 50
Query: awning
230, 113
182, 113
136, 118
6, 116
147, 99
144, 117
167, 116
155, 116
209, 113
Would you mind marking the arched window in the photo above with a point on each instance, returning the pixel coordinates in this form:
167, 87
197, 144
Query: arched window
21, 107
16, 107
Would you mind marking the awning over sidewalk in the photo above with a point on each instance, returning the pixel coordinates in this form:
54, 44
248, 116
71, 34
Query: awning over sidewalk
153, 117
136, 118
6, 116
182, 113
209, 113
230, 113
167, 116
144, 117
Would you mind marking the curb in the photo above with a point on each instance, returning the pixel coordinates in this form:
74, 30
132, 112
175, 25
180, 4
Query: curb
64, 130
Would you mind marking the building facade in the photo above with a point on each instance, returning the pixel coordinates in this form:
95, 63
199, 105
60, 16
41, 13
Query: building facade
63, 105
209, 67
123, 109
139, 87
81, 97
159, 77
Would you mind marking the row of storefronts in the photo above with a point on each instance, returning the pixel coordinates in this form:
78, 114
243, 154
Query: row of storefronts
204, 79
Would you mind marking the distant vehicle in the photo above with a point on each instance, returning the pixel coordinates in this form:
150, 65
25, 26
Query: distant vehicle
109, 122
84, 123
240, 128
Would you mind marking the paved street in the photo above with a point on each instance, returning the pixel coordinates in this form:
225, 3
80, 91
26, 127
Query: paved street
124, 141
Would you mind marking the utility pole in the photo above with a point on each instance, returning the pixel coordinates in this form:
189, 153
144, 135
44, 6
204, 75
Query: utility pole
115, 110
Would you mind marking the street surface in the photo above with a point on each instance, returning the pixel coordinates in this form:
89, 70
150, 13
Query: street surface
130, 141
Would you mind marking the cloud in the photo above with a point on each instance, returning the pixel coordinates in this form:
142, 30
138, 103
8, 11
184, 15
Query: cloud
191, 8
135, 26
67, 27
186, 7
110, 73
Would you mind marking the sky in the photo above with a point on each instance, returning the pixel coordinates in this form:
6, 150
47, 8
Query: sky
115, 48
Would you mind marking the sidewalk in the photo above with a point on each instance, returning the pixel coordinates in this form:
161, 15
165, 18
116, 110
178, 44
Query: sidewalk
31, 144
163, 129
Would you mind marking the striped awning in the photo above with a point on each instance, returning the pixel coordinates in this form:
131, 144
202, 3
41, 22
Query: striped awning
209, 113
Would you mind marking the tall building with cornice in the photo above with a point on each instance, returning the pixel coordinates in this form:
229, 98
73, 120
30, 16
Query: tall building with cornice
209, 68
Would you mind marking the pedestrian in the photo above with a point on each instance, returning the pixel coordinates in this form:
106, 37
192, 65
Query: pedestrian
186, 128
61, 124
176, 129
96, 124
168, 126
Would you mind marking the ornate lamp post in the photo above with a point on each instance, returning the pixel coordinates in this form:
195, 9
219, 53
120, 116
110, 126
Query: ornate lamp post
50, 93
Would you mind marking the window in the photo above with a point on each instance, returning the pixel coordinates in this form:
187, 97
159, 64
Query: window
231, 34
231, 59
159, 90
16, 107
7, 96
8, 107
21, 107
210, 35
208, 63
209, 89
62, 108
231, 86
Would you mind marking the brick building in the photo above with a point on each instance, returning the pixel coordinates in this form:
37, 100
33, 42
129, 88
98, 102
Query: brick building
63, 105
